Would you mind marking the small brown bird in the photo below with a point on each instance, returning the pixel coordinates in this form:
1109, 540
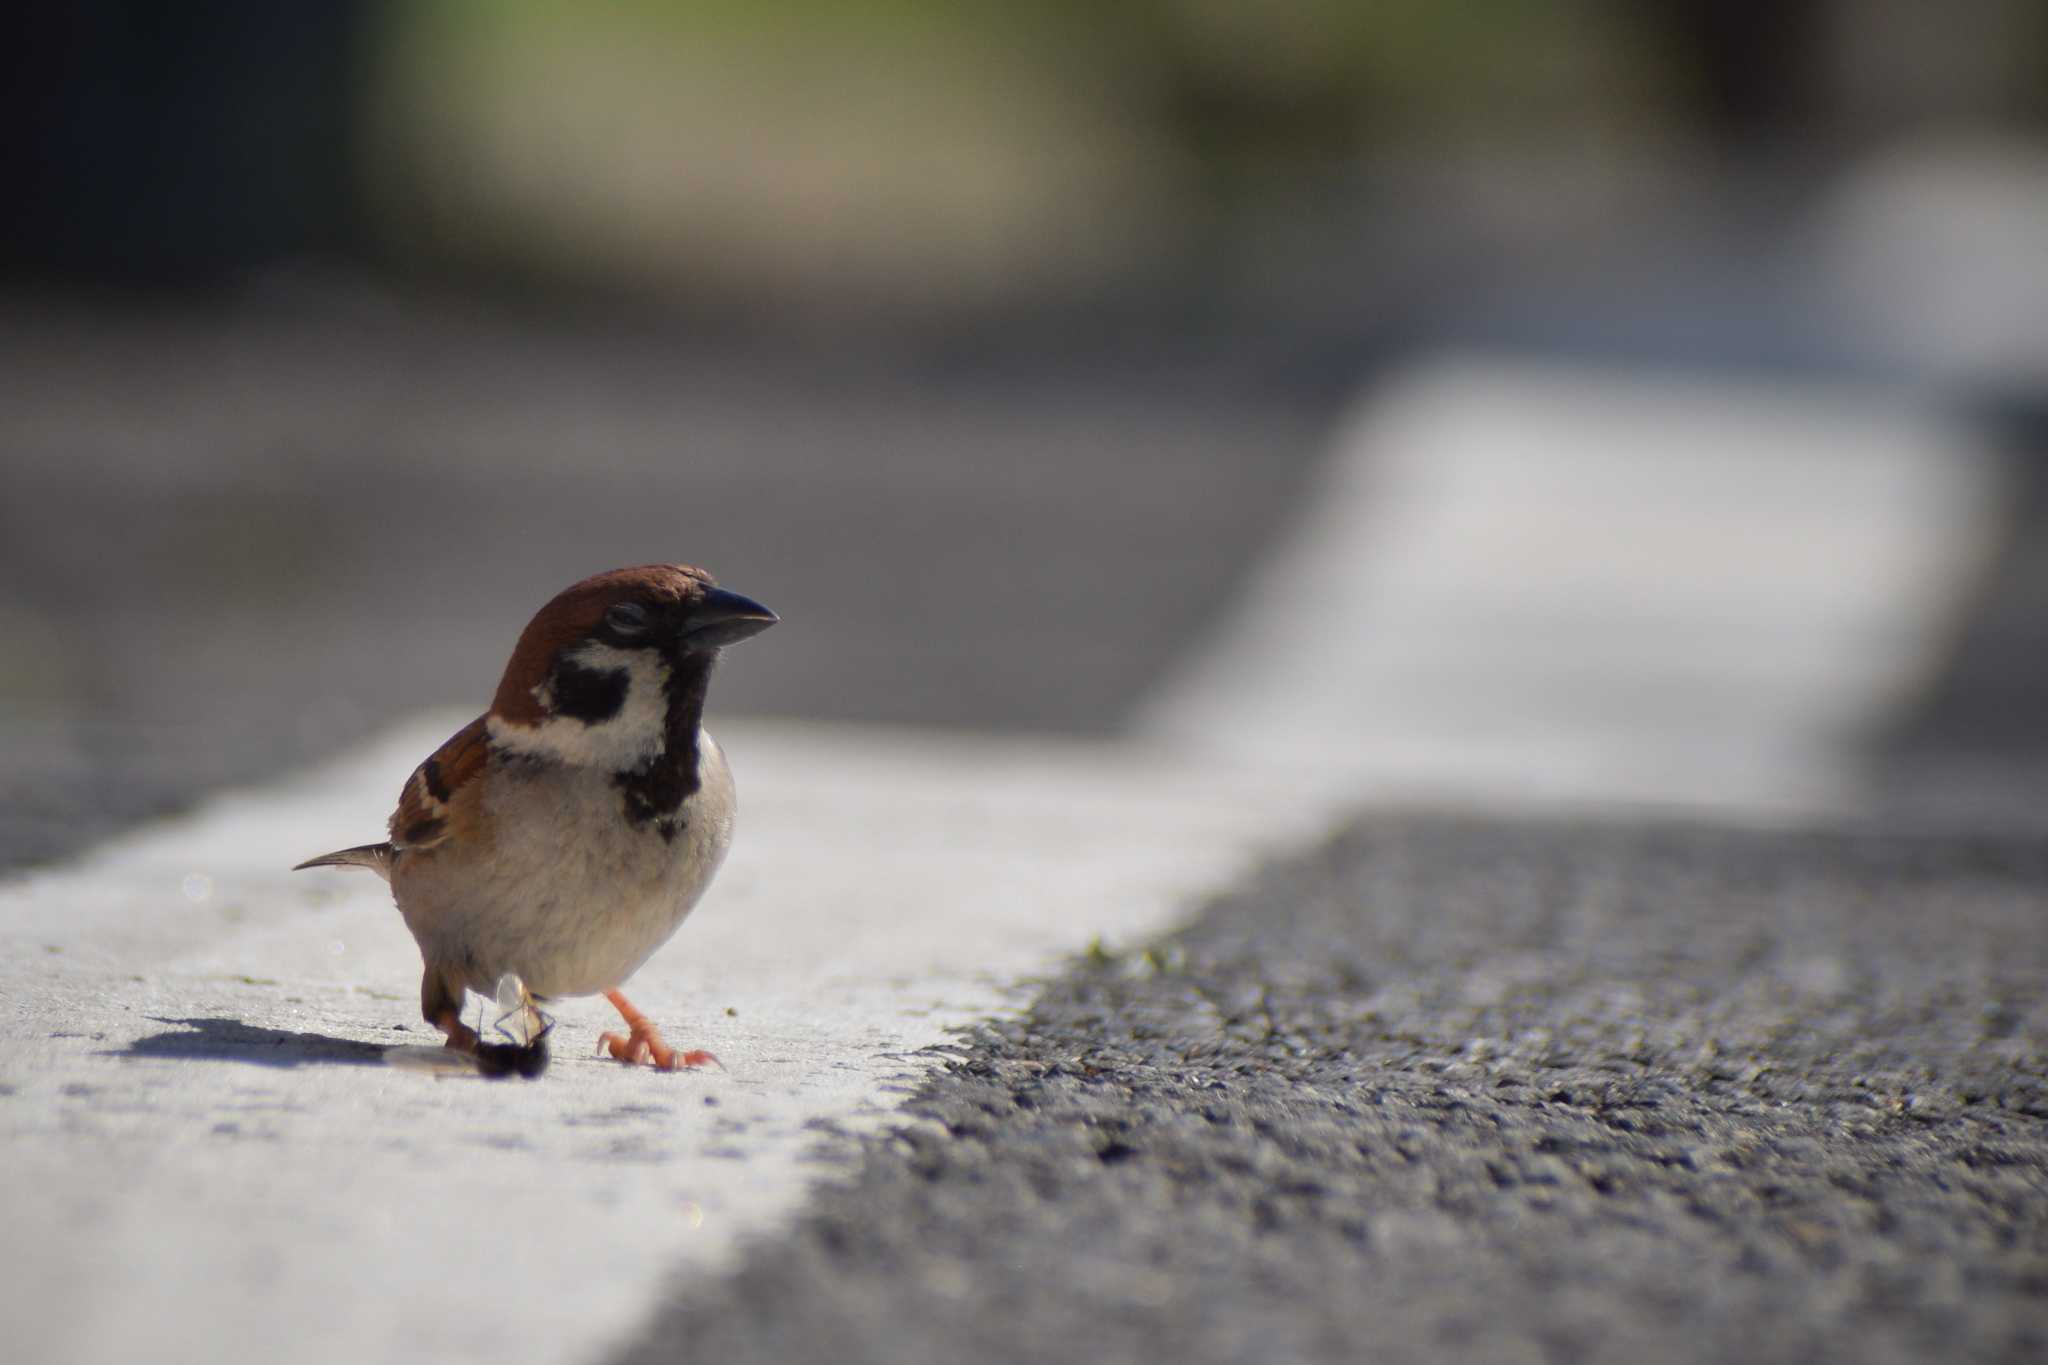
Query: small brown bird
562, 836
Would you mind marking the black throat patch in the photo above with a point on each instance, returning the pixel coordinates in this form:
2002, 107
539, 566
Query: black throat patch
655, 791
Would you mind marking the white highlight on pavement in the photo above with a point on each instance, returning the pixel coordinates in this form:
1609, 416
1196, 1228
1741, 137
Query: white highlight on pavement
1519, 583
245, 1201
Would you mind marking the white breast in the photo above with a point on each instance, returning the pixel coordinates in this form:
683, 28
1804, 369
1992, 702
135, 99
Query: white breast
580, 899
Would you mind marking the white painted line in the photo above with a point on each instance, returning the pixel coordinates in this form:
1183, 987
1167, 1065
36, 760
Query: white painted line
1536, 584
884, 886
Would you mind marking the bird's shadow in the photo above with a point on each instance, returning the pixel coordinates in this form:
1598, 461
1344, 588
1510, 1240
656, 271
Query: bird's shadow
231, 1040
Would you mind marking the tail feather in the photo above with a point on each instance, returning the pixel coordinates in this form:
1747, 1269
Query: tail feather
376, 857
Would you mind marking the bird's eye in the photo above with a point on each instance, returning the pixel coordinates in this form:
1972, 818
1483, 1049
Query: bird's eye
627, 618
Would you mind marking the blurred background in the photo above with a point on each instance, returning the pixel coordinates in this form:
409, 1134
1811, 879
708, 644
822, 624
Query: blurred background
996, 346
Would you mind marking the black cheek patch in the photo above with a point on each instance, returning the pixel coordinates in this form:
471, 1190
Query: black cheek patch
591, 695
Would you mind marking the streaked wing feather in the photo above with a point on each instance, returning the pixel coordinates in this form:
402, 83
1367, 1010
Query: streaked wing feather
431, 797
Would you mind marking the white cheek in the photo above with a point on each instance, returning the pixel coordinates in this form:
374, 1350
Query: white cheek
632, 737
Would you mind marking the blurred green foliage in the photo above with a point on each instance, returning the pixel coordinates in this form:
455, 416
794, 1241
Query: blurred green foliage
917, 152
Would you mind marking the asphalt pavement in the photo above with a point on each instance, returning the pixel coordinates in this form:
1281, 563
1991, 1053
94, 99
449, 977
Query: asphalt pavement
1486, 1090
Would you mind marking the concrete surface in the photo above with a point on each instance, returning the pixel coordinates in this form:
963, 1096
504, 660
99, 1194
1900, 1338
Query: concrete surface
1539, 583
209, 1158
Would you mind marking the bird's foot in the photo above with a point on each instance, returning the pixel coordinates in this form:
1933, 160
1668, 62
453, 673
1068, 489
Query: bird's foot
642, 1042
494, 1059
461, 1037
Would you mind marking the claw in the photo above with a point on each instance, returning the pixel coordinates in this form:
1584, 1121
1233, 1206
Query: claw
642, 1043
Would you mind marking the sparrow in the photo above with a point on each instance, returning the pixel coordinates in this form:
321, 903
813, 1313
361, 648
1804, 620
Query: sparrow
561, 837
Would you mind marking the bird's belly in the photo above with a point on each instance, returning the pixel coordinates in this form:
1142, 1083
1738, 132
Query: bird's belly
577, 906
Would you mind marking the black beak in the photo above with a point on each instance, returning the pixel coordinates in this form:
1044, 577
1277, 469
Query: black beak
724, 618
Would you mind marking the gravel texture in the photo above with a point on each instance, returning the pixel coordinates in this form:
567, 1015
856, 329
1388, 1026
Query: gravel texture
1453, 1089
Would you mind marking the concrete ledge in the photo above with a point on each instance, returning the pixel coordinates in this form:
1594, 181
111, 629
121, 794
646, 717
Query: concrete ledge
208, 1157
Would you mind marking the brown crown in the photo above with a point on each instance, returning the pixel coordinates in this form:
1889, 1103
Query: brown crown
572, 614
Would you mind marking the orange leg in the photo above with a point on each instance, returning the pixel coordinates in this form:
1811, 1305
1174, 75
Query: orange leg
642, 1041
461, 1037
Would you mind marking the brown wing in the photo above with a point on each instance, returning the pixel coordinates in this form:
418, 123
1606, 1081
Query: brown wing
433, 797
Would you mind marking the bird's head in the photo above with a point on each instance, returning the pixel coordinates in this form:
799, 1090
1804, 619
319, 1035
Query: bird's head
608, 668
